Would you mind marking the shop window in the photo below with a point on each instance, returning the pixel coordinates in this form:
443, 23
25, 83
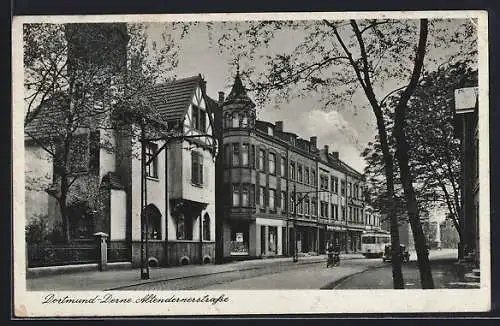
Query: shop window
272, 241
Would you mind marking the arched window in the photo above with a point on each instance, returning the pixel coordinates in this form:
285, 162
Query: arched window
152, 219
227, 120
206, 227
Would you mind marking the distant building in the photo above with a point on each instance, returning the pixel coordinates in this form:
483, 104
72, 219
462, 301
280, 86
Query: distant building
466, 130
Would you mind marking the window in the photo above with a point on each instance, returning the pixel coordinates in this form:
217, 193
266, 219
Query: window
254, 157
299, 173
262, 196
252, 195
314, 207
206, 227
335, 211
184, 227
227, 120
244, 155
283, 201
236, 154
343, 212
335, 185
292, 204
199, 118
313, 177
350, 213
270, 131
152, 168
300, 208
282, 166
197, 168
349, 189
245, 196
323, 182
272, 194
236, 195
236, 120
261, 159
292, 170
342, 188
244, 121
307, 207
272, 163
306, 174
323, 209
227, 154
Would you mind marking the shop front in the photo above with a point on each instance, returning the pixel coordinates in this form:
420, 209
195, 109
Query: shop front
239, 241
307, 236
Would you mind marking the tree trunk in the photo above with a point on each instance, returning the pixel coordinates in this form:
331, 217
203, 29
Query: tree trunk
63, 210
402, 155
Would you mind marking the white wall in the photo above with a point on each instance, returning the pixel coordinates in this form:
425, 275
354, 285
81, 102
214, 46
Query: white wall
118, 215
38, 176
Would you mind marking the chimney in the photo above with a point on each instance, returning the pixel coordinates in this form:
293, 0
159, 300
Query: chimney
314, 143
326, 150
279, 126
221, 98
336, 155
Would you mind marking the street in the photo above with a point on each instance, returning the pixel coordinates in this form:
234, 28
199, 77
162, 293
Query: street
357, 273
354, 272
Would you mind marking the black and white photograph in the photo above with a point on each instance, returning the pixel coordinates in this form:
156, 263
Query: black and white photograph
251, 163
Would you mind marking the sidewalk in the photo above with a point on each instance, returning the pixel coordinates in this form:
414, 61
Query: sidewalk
94, 280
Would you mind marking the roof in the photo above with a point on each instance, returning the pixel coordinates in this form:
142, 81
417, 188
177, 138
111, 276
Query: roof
172, 99
238, 93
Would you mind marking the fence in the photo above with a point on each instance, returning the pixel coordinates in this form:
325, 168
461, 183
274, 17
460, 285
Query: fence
41, 255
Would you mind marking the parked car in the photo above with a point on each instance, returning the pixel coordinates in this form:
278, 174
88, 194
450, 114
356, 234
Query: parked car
387, 256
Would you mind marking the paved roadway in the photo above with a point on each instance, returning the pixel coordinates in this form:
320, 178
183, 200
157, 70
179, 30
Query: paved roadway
284, 277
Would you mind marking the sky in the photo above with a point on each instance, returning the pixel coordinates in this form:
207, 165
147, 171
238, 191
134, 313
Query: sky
346, 131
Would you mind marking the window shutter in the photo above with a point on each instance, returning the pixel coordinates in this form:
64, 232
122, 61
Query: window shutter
194, 167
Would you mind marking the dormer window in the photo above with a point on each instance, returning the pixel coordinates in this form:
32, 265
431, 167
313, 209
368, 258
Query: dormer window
270, 131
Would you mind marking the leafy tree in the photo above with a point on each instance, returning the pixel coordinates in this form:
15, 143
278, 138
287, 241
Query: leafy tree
434, 151
340, 59
80, 80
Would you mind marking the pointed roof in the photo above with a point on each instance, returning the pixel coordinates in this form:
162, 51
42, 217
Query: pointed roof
238, 93
172, 99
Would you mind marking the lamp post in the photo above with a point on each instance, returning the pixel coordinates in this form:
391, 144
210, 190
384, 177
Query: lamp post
144, 213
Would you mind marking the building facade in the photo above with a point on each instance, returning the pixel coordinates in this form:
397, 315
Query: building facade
279, 193
170, 200
466, 130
